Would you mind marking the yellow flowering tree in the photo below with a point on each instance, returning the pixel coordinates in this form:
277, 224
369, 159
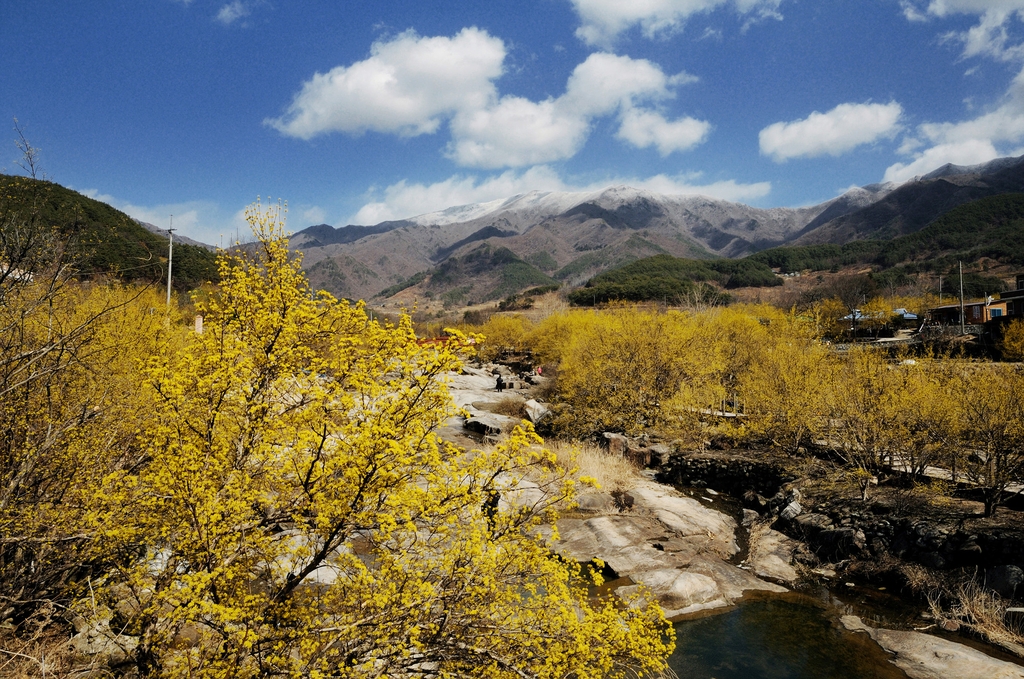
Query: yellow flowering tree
631, 370
782, 386
993, 430
299, 516
70, 398
1012, 343
868, 401
504, 334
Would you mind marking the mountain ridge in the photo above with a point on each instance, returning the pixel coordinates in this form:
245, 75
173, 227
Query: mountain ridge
577, 235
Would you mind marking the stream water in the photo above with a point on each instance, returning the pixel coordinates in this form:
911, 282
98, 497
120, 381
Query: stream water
796, 635
791, 636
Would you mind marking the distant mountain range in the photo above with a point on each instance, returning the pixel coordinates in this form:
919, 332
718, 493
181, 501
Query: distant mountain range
484, 251
487, 251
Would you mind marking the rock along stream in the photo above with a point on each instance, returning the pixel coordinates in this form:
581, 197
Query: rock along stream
741, 608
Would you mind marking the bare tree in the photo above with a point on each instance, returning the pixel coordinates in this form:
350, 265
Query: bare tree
29, 160
853, 291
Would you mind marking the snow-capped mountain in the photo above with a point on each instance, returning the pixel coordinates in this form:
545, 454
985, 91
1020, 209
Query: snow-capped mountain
574, 235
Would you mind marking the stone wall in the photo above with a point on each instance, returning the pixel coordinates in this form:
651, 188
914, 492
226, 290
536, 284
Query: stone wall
841, 533
733, 474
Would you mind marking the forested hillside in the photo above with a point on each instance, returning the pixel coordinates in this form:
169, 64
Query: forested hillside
991, 227
485, 273
672, 279
98, 239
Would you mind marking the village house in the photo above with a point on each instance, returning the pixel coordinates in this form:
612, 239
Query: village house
1014, 299
1010, 303
975, 313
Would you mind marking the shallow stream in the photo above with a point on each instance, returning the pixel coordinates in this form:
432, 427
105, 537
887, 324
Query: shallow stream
796, 635
791, 636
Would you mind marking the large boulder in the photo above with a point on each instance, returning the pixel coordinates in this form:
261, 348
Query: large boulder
1005, 579
680, 592
705, 583
98, 645
617, 443
489, 423
732, 580
791, 511
770, 556
536, 411
687, 517
670, 544
596, 502
625, 543
923, 656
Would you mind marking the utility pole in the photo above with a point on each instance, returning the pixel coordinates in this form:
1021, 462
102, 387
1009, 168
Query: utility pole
940, 289
170, 260
962, 329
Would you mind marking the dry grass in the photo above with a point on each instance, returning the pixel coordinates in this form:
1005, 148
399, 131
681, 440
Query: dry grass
979, 610
513, 406
759, 529
38, 649
610, 471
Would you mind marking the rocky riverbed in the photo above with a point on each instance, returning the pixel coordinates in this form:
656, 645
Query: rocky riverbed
696, 558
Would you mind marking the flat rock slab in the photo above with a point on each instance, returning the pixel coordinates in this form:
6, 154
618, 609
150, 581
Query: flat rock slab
686, 516
596, 502
771, 557
489, 423
732, 580
625, 543
536, 411
670, 544
923, 656
680, 592
468, 388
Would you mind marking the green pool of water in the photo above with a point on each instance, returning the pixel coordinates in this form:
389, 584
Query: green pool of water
789, 637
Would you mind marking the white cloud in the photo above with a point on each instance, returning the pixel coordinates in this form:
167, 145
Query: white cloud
911, 11
314, 215
941, 8
990, 37
834, 132
232, 12
404, 200
606, 81
408, 85
517, 132
1004, 124
970, 152
729, 189
514, 131
909, 145
998, 132
604, 20
200, 220
647, 128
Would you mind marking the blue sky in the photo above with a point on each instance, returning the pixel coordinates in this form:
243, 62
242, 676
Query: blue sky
359, 111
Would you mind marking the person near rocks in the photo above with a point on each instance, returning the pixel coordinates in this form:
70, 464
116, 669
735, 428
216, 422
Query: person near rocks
499, 384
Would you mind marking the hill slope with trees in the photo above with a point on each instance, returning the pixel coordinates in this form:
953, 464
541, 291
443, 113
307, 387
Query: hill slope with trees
672, 279
99, 239
991, 228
